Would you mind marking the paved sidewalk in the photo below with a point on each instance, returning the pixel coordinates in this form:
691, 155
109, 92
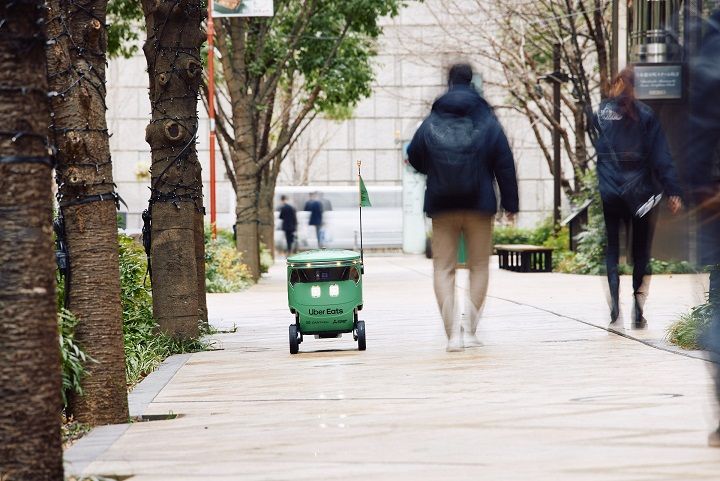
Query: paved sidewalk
550, 396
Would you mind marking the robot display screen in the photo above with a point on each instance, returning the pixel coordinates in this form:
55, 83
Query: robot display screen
323, 274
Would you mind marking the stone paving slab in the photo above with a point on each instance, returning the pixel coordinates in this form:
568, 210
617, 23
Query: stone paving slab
547, 397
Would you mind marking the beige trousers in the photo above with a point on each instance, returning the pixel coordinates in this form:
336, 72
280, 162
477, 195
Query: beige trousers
477, 229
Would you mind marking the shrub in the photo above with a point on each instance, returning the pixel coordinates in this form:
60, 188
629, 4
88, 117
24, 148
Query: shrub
224, 270
671, 267
589, 258
145, 347
72, 358
515, 235
687, 331
511, 235
266, 259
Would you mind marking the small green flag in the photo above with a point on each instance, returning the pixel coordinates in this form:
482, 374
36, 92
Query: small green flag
364, 197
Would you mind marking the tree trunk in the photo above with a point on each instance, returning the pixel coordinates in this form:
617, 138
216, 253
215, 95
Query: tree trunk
266, 217
174, 269
266, 227
76, 72
172, 50
581, 154
30, 449
200, 265
247, 233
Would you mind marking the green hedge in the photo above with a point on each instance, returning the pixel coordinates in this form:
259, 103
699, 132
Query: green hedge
516, 235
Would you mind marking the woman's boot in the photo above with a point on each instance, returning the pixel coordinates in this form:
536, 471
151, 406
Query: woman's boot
614, 285
639, 321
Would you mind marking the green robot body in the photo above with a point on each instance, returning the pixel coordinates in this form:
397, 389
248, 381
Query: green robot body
325, 294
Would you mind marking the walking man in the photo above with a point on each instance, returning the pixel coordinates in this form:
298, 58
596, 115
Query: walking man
314, 206
462, 149
288, 217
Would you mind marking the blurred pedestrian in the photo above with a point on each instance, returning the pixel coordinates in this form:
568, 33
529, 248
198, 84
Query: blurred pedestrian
633, 156
288, 216
703, 161
314, 206
326, 204
325, 229
462, 149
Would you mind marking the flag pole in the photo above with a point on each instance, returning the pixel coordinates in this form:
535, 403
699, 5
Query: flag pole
362, 259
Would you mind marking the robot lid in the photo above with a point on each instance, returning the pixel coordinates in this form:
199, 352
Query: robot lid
323, 257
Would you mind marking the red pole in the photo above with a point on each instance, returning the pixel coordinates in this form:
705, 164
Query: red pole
211, 116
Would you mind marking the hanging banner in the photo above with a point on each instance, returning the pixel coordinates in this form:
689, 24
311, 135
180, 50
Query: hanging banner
242, 8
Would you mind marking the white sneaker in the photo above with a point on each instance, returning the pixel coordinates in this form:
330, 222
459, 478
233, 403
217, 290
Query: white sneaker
618, 325
471, 340
455, 343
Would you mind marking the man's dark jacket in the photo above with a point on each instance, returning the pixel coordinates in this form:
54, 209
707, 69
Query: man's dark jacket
484, 147
288, 217
315, 208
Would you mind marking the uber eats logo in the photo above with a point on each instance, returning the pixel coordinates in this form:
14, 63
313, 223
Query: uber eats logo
323, 312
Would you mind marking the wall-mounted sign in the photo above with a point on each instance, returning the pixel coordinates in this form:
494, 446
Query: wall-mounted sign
658, 81
242, 8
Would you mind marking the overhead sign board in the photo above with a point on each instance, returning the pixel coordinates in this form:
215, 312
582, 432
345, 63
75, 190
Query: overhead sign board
242, 8
658, 81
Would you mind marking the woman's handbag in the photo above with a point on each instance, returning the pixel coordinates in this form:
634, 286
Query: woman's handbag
640, 193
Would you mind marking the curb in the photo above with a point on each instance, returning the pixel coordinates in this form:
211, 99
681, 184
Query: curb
93, 445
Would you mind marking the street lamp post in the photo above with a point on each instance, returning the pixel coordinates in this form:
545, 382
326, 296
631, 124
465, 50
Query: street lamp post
558, 77
557, 171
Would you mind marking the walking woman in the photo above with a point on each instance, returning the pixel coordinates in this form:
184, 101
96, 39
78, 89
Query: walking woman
635, 169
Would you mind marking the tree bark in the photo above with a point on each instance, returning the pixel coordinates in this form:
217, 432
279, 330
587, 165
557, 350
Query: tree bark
246, 228
76, 56
30, 449
172, 50
200, 265
266, 215
266, 225
174, 269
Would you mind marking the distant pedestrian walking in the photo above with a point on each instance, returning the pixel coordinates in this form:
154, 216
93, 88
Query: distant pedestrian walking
633, 157
462, 149
325, 228
314, 206
288, 217
326, 204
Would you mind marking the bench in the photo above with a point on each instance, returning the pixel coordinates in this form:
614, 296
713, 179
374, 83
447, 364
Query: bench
524, 258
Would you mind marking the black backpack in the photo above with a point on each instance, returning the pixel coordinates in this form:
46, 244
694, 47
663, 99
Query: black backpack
454, 144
